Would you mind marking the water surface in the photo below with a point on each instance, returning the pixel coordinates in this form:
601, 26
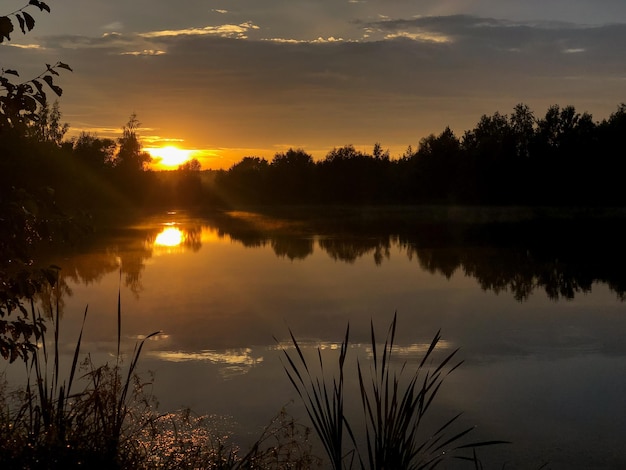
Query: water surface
536, 308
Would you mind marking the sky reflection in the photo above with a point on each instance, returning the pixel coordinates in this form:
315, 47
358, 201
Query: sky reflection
543, 371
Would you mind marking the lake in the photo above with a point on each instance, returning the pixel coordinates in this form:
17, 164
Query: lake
536, 304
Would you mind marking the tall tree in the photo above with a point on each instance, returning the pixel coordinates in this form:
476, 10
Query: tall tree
47, 127
130, 156
93, 151
291, 175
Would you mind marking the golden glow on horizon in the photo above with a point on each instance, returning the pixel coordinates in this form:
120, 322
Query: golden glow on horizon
169, 157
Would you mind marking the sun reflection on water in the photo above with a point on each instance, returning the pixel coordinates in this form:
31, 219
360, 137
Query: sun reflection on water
169, 237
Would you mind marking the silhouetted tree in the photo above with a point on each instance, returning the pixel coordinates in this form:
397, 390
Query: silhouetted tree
291, 176
47, 127
129, 166
19, 102
245, 181
490, 148
190, 166
189, 184
565, 141
93, 151
25, 214
435, 167
130, 156
379, 154
522, 124
349, 175
563, 158
609, 159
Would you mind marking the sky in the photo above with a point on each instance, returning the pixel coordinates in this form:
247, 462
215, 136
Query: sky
235, 78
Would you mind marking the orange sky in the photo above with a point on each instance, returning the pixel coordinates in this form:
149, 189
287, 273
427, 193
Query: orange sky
235, 79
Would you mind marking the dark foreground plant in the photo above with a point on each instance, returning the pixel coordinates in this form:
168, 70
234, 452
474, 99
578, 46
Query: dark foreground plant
181, 440
112, 421
49, 425
394, 401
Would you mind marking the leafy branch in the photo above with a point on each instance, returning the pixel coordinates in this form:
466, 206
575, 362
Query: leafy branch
24, 19
19, 101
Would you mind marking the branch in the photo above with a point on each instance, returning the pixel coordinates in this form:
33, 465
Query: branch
24, 19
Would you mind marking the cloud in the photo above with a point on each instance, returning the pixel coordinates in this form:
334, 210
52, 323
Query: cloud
145, 52
319, 40
215, 88
421, 36
227, 30
25, 46
487, 34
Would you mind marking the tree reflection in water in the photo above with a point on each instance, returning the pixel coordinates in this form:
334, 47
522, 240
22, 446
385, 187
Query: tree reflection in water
561, 257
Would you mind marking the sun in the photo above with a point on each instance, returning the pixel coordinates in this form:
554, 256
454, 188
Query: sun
169, 156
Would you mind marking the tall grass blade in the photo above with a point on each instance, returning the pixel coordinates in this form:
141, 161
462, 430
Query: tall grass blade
119, 316
323, 400
76, 353
393, 406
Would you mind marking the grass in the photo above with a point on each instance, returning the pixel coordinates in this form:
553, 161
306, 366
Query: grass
104, 417
394, 404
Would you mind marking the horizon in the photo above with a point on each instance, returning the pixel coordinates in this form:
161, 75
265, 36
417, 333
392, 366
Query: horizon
238, 80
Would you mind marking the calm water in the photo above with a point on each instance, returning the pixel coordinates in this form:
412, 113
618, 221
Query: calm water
537, 311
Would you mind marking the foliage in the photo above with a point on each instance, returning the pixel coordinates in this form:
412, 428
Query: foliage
25, 20
25, 213
96, 153
130, 157
51, 426
190, 165
113, 423
19, 101
393, 409
564, 158
48, 127
324, 404
18, 336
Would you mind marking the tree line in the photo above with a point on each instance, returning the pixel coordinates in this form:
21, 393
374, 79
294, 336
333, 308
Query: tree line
562, 158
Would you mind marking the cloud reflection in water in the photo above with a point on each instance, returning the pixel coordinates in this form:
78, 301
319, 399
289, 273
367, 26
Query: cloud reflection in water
231, 361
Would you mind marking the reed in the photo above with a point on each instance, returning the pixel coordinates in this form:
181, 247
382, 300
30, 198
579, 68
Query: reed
394, 403
111, 422
324, 402
50, 425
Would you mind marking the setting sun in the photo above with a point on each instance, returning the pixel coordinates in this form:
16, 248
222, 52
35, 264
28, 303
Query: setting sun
170, 156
